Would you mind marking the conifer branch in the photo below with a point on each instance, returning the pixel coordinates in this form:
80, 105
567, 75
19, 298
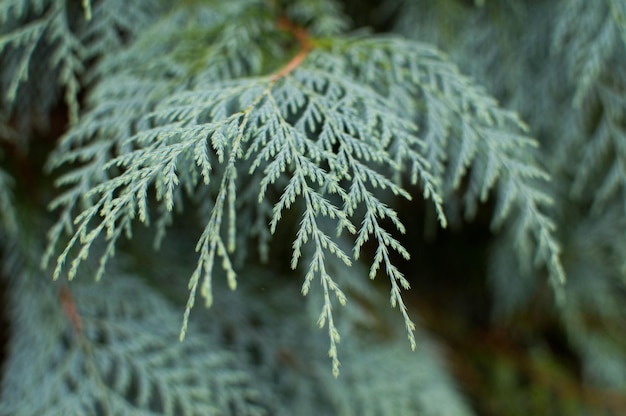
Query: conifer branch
332, 133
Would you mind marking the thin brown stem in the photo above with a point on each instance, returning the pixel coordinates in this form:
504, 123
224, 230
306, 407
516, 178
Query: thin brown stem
69, 308
302, 37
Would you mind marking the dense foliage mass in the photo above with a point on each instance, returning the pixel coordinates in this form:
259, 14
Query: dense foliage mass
245, 153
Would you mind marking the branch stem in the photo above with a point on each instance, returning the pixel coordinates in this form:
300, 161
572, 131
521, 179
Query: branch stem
302, 37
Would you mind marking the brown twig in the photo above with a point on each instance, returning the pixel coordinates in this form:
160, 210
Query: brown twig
69, 308
302, 37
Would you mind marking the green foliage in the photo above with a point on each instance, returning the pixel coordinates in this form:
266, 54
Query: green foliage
29, 27
262, 323
284, 149
323, 137
599, 139
115, 355
44, 45
565, 76
8, 218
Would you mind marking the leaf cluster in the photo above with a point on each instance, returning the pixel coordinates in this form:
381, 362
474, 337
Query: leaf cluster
331, 137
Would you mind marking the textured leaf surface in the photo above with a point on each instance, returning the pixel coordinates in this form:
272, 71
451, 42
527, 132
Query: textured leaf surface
325, 138
113, 351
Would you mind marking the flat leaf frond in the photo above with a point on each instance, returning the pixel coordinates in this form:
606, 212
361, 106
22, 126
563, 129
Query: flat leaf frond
489, 140
329, 139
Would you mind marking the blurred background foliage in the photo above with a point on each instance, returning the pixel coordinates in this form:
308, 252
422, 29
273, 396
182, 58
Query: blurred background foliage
512, 349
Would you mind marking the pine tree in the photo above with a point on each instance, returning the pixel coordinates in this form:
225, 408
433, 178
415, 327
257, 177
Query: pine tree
289, 163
